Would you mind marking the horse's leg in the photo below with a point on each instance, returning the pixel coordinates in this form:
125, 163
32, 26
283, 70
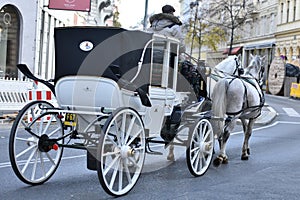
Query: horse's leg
247, 132
171, 156
222, 158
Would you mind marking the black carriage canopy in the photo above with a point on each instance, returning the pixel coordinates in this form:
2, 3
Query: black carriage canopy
102, 51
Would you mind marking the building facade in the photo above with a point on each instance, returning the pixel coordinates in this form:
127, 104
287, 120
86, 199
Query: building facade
272, 29
27, 30
288, 30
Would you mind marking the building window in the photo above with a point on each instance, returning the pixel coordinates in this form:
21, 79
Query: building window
281, 13
287, 11
294, 13
9, 41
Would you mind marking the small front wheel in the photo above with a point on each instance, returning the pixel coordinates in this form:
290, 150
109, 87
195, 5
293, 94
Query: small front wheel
34, 156
199, 152
121, 151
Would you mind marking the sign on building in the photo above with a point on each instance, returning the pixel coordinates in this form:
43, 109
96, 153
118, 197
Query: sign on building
75, 5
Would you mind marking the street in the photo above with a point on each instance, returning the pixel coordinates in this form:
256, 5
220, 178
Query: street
270, 173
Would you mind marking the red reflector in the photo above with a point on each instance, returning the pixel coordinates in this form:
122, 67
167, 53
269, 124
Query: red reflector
55, 147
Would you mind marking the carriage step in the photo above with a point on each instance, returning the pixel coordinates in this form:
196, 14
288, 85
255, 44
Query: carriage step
148, 148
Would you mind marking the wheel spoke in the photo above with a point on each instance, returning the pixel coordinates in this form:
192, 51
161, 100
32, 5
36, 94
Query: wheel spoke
204, 130
207, 134
139, 148
117, 132
120, 176
114, 175
127, 174
34, 166
24, 139
135, 136
42, 164
195, 149
196, 154
26, 150
107, 168
28, 160
195, 161
123, 129
129, 128
111, 153
50, 159
111, 140
47, 125
24, 123
133, 161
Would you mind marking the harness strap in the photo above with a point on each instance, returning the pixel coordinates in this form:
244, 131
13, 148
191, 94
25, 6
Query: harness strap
247, 107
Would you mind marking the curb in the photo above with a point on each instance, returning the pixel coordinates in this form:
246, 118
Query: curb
268, 114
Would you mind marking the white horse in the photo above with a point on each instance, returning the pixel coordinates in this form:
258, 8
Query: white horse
237, 97
228, 67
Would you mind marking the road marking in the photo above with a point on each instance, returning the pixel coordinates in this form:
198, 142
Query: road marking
291, 112
7, 164
267, 126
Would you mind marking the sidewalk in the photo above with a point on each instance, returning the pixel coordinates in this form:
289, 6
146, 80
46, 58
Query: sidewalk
268, 114
7, 118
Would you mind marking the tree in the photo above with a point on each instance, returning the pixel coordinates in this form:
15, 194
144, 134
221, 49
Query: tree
201, 31
205, 35
116, 22
230, 14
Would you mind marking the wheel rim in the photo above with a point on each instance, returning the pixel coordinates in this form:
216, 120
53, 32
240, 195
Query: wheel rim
201, 147
122, 152
30, 164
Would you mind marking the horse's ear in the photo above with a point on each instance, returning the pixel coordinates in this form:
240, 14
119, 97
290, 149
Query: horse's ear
239, 57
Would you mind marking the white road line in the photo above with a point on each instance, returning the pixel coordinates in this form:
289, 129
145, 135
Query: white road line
268, 126
291, 112
7, 164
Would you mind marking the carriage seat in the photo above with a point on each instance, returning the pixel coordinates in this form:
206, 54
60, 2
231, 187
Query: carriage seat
87, 93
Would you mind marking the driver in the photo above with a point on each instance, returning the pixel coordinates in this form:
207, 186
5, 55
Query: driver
167, 24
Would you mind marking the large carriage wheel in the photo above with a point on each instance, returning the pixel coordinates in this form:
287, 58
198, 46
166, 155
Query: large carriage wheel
33, 156
121, 152
200, 147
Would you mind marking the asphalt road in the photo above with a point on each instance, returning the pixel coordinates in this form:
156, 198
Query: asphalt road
270, 173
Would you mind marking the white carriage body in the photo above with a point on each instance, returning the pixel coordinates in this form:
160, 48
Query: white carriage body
90, 94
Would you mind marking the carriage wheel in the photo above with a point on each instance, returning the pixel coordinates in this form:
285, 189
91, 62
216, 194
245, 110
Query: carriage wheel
121, 152
33, 156
200, 147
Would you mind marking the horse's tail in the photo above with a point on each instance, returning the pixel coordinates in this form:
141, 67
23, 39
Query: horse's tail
219, 103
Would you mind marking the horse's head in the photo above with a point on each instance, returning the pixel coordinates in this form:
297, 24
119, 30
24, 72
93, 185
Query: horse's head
256, 68
230, 66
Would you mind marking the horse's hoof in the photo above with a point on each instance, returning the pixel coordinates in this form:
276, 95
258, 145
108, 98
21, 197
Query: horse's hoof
225, 161
217, 162
244, 157
171, 157
248, 151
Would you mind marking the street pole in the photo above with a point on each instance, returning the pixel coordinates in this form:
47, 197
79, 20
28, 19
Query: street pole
194, 25
145, 15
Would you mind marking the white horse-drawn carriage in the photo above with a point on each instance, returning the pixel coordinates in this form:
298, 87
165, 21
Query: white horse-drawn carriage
117, 92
